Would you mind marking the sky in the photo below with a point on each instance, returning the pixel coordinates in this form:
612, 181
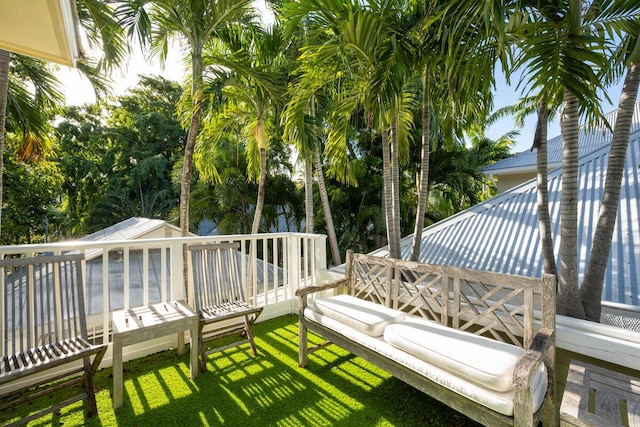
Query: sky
78, 91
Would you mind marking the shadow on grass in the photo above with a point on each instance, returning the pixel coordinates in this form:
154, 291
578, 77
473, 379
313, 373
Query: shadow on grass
336, 389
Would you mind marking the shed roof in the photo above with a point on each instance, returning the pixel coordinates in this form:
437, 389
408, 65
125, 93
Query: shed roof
128, 229
501, 234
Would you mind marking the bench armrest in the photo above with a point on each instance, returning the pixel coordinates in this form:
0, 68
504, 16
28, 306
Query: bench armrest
528, 364
524, 372
306, 290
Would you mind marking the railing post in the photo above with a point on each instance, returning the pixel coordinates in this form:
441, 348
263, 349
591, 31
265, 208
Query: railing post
320, 253
293, 266
177, 279
106, 298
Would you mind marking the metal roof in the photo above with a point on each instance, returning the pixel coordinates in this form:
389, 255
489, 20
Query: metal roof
589, 141
128, 229
501, 234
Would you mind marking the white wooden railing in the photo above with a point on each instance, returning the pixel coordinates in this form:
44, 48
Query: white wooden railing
141, 272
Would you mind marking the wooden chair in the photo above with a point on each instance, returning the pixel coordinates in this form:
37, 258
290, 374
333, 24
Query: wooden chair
219, 297
44, 338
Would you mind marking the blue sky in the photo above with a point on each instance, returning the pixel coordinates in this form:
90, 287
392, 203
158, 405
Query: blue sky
506, 94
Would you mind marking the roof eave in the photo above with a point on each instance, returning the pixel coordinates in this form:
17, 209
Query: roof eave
45, 30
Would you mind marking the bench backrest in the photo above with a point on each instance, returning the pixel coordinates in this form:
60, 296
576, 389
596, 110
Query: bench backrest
216, 274
501, 306
42, 301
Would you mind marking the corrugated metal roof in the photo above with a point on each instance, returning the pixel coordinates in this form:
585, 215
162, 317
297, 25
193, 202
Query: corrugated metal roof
501, 234
589, 141
129, 229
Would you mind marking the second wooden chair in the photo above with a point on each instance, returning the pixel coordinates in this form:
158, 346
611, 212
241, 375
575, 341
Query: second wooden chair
219, 298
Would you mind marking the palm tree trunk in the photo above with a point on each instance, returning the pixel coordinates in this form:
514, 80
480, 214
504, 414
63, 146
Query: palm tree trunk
395, 189
387, 188
544, 222
423, 185
591, 290
187, 165
326, 209
568, 301
308, 194
5, 58
255, 227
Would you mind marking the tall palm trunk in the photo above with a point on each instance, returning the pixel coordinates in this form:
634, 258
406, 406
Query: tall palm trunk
388, 193
308, 194
423, 185
326, 209
544, 222
568, 301
591, 290
395, 189
187, 166
5, 57
255, 227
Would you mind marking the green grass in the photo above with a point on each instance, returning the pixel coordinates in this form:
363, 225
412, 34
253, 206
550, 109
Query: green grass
336, 389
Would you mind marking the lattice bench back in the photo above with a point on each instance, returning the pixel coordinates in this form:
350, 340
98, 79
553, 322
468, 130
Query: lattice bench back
497, 305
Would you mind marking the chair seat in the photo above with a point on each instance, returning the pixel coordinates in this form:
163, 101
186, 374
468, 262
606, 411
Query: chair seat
227, 310
45, 357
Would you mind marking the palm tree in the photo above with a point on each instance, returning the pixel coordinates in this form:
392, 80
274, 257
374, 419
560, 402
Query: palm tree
563, 50
304, 120
353, 43
591, 289
455, 51
5, 57
305, 126
29, 95
251, 96
195, 24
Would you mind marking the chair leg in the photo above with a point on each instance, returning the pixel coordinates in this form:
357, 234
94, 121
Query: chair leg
201, 348
247, 328
88, 385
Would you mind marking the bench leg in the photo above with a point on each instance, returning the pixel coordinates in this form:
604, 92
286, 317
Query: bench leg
302, 343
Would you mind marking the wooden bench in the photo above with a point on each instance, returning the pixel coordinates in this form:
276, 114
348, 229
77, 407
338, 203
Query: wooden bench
44, 335
455, 306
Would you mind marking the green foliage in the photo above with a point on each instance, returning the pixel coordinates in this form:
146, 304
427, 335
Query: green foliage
31, 199
229, 203
118, 157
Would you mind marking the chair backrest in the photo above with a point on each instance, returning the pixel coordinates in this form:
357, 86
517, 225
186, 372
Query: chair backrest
216, 274
42, 301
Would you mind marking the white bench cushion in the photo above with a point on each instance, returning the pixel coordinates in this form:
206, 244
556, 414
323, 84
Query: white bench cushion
501, 402
364, 316
478, 359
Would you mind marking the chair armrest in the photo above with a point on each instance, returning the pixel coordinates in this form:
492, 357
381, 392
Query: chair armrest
528, 364
306, 290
